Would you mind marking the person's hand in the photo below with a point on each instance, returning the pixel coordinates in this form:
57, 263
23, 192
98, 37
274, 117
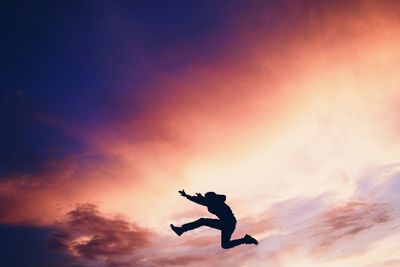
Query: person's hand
199, 195
183, 193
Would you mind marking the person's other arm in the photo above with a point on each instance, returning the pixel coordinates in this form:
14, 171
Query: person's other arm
198, 198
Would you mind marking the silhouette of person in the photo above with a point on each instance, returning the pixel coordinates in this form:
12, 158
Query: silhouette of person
226, 221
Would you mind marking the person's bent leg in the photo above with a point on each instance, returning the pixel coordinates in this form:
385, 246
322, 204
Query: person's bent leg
247, 239
226, 234
233, 243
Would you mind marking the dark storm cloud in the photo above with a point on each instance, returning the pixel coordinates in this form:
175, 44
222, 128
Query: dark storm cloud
88, 234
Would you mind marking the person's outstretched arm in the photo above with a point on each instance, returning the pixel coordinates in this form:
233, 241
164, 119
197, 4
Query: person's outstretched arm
199, 199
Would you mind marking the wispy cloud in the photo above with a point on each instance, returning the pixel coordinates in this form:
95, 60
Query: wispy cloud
348, 220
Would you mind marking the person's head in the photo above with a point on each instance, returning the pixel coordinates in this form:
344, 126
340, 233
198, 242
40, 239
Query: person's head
212, 196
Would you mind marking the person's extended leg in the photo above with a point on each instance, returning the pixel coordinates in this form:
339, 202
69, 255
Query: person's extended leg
213, 223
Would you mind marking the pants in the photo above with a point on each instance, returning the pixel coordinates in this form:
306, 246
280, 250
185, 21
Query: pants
226, 228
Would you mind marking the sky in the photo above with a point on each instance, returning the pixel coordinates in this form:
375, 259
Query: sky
289, 108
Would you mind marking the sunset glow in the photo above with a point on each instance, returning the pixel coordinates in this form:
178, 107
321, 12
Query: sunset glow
290, 108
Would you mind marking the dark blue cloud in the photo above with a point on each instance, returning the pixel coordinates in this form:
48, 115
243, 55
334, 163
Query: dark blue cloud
68, 56
23, 246
77, 65
27, 141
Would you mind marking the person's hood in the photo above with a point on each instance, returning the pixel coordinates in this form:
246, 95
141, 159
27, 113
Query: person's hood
215, 197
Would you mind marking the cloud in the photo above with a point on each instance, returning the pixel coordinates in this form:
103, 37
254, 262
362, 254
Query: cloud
89, 235
380, 184
329, 231
29, 140
22, 246
387, 263
350, 219
179, 261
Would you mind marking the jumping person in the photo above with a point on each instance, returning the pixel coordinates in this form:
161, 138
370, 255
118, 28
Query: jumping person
227, 222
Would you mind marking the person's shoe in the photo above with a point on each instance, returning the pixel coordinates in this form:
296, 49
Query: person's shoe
248, 239
176, 229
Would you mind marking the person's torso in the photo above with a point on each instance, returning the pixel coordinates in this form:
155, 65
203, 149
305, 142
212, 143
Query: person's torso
222, 211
